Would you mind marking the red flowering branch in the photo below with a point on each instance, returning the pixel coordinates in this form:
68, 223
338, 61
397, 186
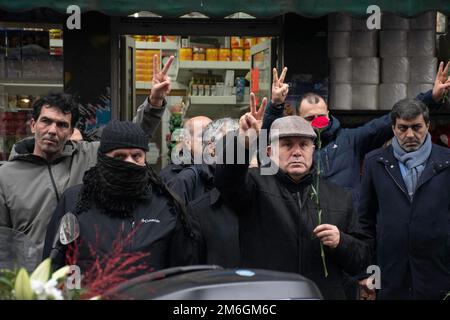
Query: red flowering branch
110, 270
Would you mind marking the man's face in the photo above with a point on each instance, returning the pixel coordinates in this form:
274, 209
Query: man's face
51, 131
411, 133
195, 127
196, 141
313, 107
131, 155
293, 155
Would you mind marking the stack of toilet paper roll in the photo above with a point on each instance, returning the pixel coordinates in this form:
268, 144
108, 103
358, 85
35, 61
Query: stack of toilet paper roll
408, 62
354, 65
373, 70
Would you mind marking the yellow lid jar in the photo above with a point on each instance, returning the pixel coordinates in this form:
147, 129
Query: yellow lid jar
237, 54
199, 54
224, 54
247, 55
212, 54
185, 54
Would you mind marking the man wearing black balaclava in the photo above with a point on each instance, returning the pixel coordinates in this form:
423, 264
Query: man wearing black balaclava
122, 201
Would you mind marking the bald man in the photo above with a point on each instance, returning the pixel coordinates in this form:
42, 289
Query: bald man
192, 142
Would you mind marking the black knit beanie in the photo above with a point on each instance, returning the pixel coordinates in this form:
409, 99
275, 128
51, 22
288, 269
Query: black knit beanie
123, 134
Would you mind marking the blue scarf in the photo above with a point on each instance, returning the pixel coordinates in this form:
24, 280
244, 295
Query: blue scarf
414, 162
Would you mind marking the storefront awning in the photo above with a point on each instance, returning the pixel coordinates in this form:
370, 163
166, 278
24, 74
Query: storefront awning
223, 8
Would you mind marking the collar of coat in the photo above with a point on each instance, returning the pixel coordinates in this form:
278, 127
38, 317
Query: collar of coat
329, 134
23, 151
292, 185
438, 161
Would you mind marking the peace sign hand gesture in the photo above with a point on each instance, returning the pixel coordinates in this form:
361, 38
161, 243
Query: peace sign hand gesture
279, 88
160, 83
442, 82
250, 123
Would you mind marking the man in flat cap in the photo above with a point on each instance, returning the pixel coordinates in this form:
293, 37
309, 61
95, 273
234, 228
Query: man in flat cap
278, 218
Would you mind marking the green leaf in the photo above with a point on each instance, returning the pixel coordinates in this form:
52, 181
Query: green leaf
22, 287
60, 273
5, 282
42, 272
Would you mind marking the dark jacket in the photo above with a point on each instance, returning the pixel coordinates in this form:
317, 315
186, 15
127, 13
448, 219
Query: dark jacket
276, 221
193, 182
156, 224
217, 227
412, 238
170, 171
343, 149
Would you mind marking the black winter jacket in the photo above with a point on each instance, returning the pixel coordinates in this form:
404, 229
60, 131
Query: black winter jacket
156, 224
276, 221
193, 182
217, 229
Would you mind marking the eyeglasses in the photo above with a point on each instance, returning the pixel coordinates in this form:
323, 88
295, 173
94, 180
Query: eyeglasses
312, 117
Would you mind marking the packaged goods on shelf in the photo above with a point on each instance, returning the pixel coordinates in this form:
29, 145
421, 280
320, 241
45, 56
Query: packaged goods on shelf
224, 54
237, 54
237, 42
212, 54
185, 54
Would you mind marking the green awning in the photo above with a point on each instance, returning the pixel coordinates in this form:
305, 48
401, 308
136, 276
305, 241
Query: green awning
223, 8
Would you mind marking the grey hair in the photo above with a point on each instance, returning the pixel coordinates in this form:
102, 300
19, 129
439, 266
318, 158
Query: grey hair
218, 129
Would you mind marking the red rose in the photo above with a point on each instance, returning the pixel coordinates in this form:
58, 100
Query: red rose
320, 122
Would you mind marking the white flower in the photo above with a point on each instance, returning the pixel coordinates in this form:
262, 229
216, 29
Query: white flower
38, 287
46, 290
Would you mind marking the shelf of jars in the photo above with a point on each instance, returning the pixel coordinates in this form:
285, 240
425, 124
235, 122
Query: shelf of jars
141, 45
217, 100
187, 68
147, 85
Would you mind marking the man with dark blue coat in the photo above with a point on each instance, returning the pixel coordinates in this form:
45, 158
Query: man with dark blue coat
405, 208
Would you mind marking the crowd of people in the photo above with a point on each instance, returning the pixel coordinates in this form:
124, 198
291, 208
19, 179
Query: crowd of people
384, 196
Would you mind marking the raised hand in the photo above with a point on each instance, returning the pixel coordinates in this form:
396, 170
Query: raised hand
160, 83
442, 82
279, 88
250, 123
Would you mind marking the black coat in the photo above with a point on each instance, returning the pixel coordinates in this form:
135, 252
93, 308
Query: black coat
217, 227
155, 222
170, 171
276, 220
412, 238
192, 182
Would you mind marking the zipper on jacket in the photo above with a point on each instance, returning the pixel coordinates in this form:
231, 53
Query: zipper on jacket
398, 185
327, 159
53, 181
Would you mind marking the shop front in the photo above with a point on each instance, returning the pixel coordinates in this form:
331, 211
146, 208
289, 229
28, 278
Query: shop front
223, 50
